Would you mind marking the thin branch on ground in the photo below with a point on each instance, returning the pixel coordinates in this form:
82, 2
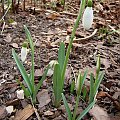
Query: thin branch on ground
5, 13
37, 115
3, 28
88, 37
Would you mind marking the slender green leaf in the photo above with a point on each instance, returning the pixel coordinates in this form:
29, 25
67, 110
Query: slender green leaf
61, 55
76, 107
81, 80
22, 71
26, 92
86, 111
84, 92
72, 87
57, 85
91, 95
97, 82
41, 81
98, 66
29, 38
67, 107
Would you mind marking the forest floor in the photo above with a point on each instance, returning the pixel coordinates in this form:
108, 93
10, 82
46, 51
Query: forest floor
48, 28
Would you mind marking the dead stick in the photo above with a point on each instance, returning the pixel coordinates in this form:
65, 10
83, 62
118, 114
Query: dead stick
88, 37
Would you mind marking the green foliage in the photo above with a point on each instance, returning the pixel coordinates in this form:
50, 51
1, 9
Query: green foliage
31, 89
60, 68
62, 2
72, 86
57, 82
70, 113
94, 85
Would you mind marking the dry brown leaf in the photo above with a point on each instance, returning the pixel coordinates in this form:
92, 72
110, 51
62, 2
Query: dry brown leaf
25, 113
43, 98
105, 62
98, 113
15, 45
8, 38
48, 113
38, 72
3, 112
116, 95
101, 94
53, 16
62, 107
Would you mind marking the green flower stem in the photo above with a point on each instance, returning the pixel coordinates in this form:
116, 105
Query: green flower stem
82, 6
76, 106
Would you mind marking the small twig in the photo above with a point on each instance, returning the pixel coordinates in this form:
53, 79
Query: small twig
37, 115
3, 28
64, 12
88, 37
118, 32
73, 73
114, 51
5, 13
56, 33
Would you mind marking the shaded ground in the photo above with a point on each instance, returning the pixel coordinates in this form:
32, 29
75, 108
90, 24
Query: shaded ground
48, 29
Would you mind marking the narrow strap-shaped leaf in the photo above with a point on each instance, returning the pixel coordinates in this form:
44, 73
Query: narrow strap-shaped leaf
61, 55
82, 80
57, 84
25, 89
86, 111
41, 81
91, 95
97, 82
67, 107
22, 71
29, 38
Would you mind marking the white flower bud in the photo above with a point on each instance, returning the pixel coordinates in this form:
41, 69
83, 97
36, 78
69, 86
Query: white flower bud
87, 18
23, 53
20, 94
78, 84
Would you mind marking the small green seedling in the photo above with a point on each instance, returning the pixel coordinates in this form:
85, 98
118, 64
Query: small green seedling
94, 85
31, 90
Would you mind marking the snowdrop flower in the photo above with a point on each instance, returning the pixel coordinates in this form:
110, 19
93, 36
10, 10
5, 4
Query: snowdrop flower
24, 51
78, 84
9, 109
51, 69
20, 94
88, 16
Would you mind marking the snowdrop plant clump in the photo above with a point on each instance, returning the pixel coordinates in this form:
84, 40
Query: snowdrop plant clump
29, 86
88, 16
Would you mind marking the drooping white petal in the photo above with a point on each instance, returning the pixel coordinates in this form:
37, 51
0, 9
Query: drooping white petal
23, 53
9, 109
87, 18
20, 94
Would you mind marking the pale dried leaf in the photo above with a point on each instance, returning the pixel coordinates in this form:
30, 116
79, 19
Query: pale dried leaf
15, 45
98, 113
8, 38
43, 98
38, 72
2, 112
48, 113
